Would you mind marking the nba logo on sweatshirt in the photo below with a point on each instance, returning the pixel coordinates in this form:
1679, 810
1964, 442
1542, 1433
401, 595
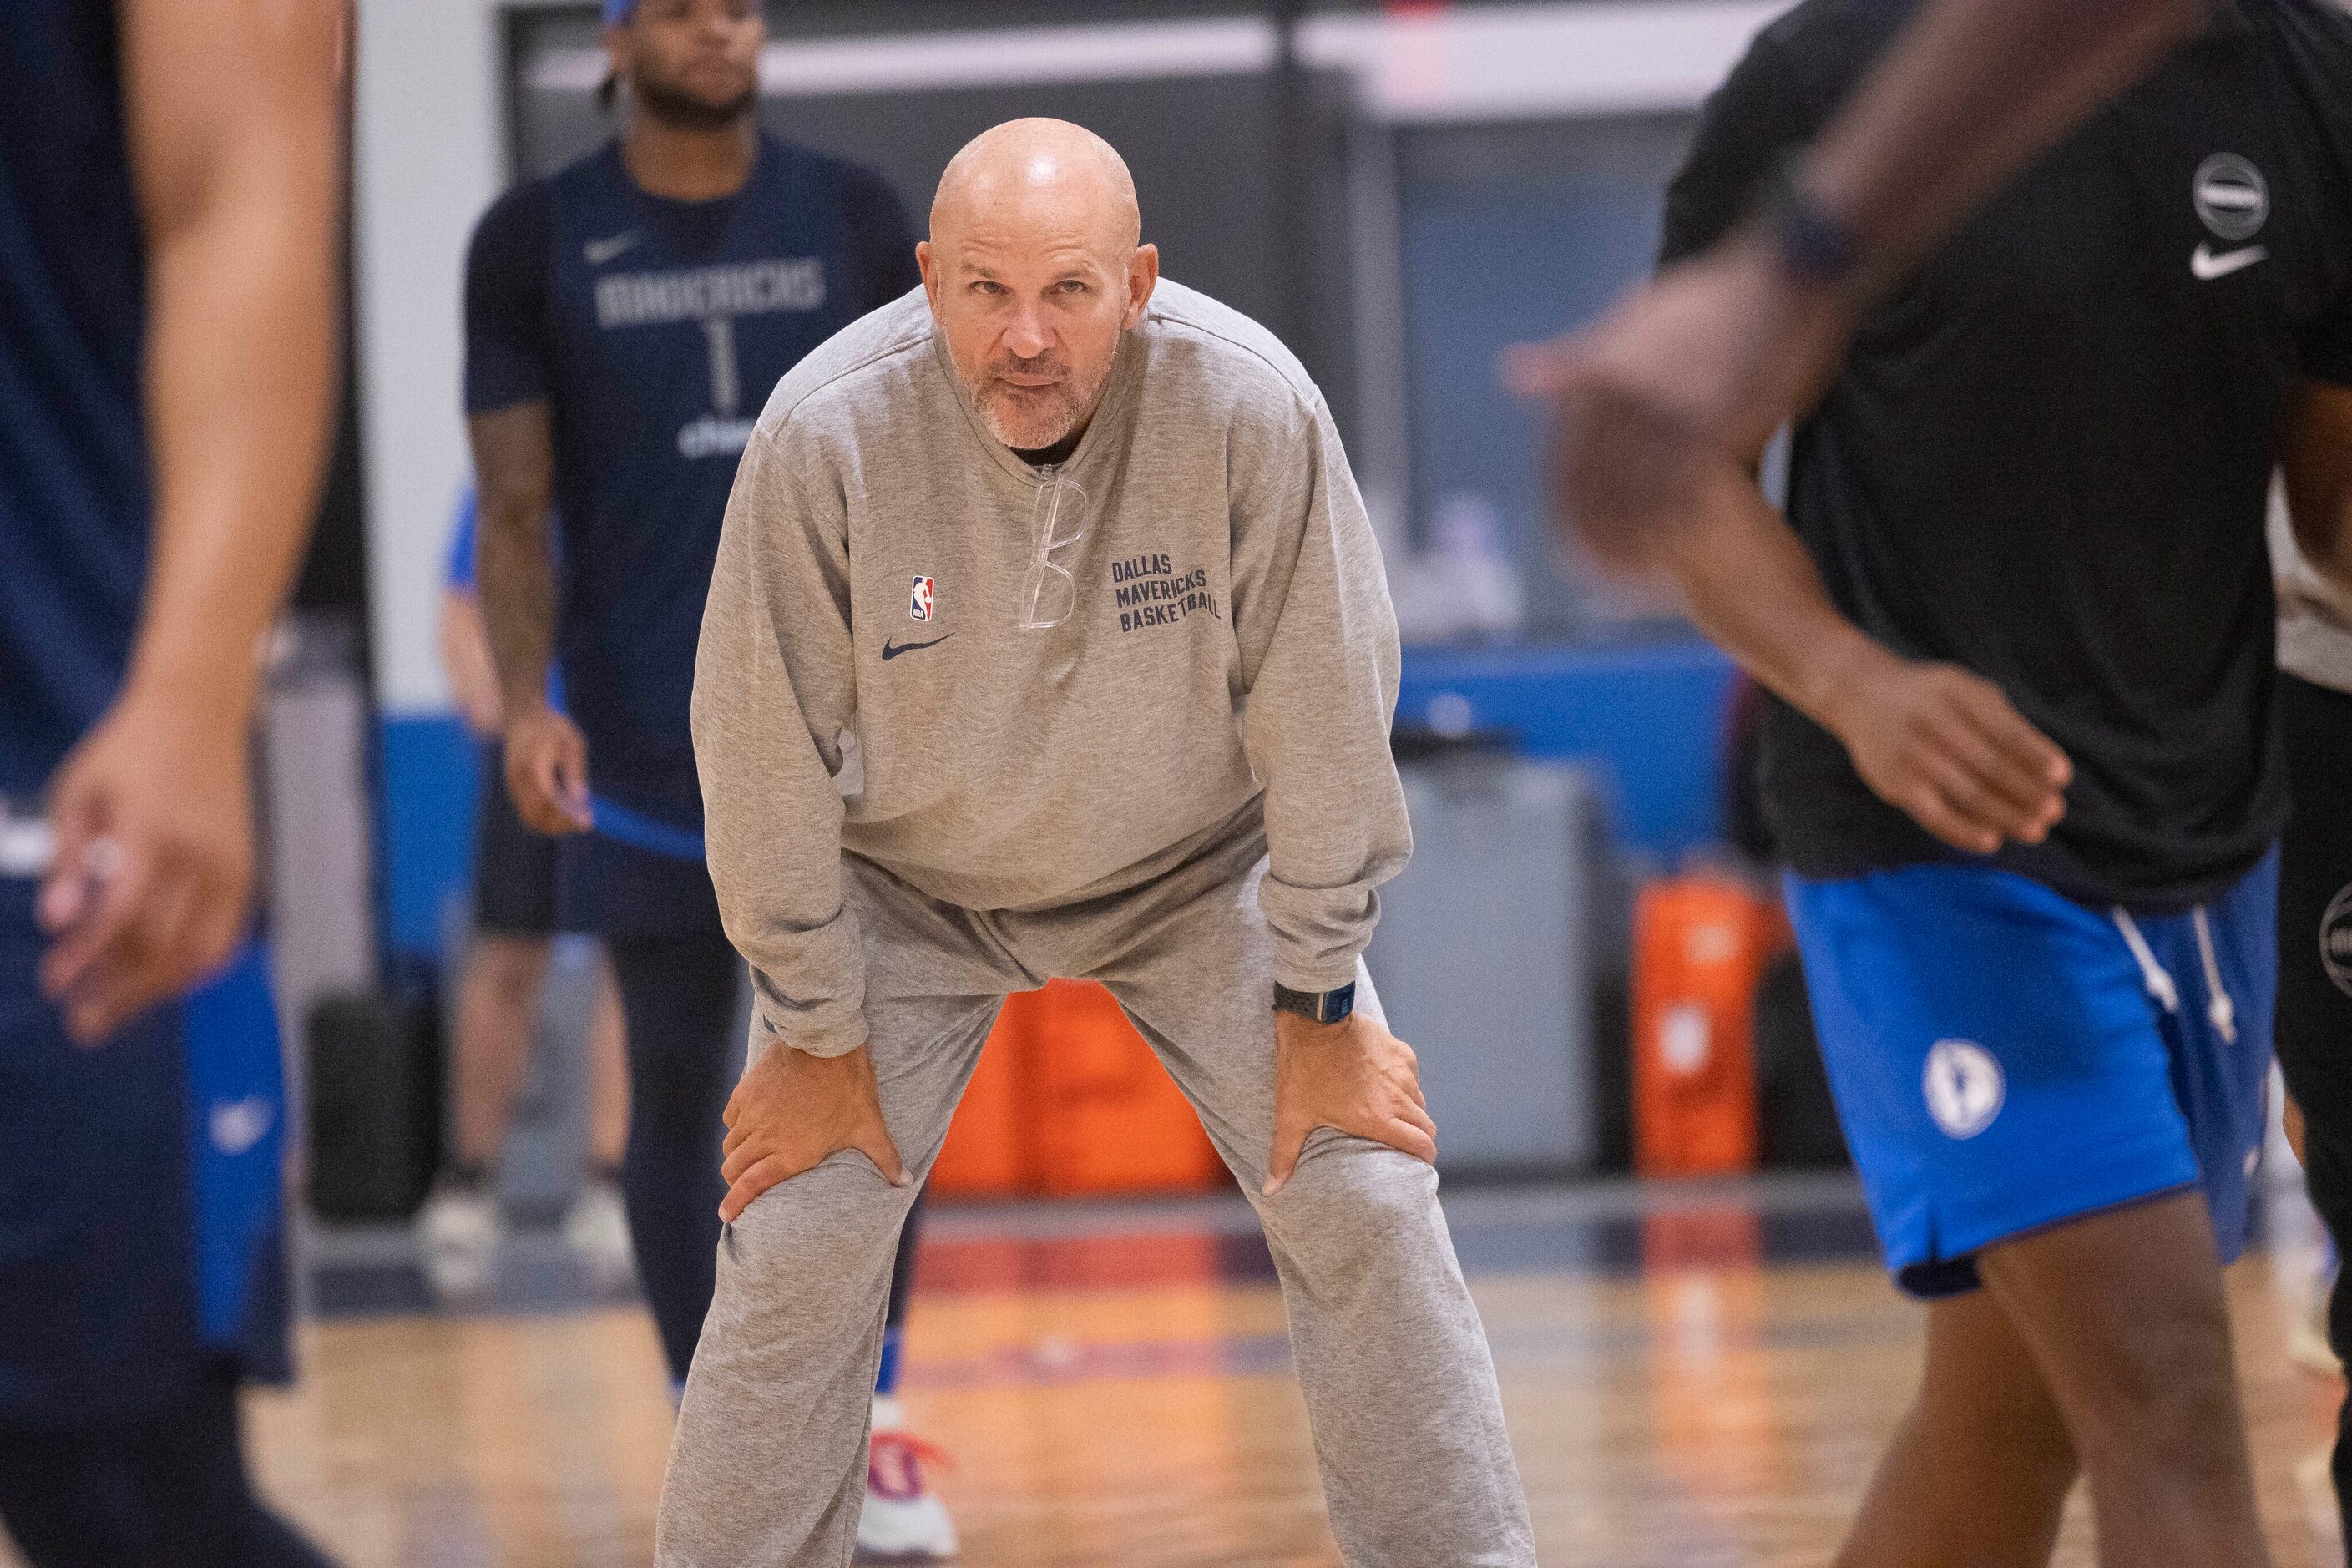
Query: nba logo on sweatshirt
918, 600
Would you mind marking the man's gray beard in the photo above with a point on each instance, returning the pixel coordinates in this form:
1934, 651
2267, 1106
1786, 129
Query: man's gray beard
1065, 421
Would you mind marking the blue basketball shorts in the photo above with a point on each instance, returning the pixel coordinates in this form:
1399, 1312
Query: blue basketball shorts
141, 1193
2005, 1058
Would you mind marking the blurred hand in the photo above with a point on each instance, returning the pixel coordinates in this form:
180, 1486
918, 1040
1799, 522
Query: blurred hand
1686, 378
466, 655
791, 1111
1352, 1075
1945, 747
153, 876
547, 770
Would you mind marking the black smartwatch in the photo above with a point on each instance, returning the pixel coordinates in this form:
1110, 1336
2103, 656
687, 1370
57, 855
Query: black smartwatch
1320, 1006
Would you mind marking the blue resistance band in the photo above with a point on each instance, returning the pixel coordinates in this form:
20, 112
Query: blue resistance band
621, 826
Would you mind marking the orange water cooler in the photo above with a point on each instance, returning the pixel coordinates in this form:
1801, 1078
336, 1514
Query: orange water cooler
1068, 1100
1700, 946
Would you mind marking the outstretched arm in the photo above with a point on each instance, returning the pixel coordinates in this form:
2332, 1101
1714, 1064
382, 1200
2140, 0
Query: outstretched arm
233, 116
1691, 370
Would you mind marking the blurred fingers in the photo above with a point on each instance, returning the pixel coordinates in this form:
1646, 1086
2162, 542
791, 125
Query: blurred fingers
1985, 782
569, 781
1924, 805
2026, 749
1536, 369
108, 910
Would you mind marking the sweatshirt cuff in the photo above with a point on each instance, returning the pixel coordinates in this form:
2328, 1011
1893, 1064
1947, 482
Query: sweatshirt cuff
1319, 934
1326, 972
805, 1035
830, 1023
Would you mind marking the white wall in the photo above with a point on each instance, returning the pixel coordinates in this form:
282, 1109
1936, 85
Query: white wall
428, 156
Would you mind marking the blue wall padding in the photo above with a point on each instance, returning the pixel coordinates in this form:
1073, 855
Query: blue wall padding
1649, 719
432, 768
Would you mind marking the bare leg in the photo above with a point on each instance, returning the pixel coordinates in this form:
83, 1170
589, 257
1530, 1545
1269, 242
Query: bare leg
608, 1074
498, 1015
1977, 1473
2124, 1314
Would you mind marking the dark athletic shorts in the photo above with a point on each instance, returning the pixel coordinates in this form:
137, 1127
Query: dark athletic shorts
514, 870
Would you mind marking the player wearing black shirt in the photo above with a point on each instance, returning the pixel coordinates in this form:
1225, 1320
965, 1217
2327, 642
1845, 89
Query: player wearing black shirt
2021, 753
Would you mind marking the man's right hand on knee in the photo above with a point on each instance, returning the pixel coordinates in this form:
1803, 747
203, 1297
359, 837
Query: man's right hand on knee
790, 1112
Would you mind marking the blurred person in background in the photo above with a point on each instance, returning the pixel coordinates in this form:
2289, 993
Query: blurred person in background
1660, 402
2315, 907
169, 203
2021, 756
502, 986
624, 319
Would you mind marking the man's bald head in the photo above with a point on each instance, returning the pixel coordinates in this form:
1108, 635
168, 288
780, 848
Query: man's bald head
1044, 173
1034, 268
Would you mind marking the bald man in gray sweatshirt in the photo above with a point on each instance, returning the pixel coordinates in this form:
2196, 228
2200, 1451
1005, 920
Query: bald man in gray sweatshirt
1048, 637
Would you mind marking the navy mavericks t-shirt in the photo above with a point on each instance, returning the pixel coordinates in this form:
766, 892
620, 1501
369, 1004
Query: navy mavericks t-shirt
654, 330
74, 489
2047, 457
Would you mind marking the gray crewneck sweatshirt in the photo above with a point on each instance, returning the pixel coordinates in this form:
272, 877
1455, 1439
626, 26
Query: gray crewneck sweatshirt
865, 683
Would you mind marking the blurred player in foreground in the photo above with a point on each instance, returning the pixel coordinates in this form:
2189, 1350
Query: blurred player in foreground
624, 318
1058, 574
502, 988
168, 207
1661, 400
2022, 760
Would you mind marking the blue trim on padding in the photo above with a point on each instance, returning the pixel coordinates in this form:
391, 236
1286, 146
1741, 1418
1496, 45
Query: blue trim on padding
431, 767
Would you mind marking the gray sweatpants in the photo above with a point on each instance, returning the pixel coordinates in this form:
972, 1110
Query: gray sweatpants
768, 1468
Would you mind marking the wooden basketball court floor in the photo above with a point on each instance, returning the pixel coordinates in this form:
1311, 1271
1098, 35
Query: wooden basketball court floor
1697, 1377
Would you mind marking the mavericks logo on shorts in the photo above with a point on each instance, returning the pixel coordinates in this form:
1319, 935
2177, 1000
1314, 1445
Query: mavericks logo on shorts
918, 600
1964, 1087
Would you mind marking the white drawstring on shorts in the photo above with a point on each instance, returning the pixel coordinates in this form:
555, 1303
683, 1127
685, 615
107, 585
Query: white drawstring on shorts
2220, 1011
2152, 974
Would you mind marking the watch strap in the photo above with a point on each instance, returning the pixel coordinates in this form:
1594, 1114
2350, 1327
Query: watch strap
1320, 1006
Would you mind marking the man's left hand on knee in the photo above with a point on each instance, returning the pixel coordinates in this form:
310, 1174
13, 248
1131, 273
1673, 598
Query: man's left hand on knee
1353, 1076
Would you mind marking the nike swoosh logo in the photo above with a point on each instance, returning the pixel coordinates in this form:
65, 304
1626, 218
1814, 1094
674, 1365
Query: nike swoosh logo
891, 650
600, 251
2209, 266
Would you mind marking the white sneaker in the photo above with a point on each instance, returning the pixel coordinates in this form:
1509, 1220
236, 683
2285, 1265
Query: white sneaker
597, 1231
461, 1230
904, 1521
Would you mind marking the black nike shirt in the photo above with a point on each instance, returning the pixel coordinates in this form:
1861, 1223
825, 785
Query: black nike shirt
2048, 458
